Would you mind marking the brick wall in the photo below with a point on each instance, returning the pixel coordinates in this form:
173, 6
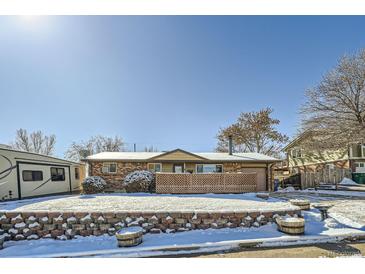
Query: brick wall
65, 225
115, 180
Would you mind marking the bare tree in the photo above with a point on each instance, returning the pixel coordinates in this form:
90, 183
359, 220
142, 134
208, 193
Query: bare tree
253, 132
22, 140
95, 144
76, 151
34, 142
334, 112
150, 149
103, 143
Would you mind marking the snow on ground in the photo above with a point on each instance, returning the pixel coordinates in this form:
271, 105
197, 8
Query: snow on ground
349, 212
150, 202
287, 189
46, 247
348, 206
347, 217
321, 195
348, 181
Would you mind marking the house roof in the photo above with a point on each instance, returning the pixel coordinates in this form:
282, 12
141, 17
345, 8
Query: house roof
178, 150
123, 155
249, 156
209, 156
296, 140
6, 148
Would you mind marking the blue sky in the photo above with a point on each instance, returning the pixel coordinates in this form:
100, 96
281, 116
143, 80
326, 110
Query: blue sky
163, 81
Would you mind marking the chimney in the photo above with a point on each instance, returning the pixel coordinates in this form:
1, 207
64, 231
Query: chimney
230, 145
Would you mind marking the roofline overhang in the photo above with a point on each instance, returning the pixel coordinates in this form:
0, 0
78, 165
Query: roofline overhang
299, 137
181, 161
176, 150
41, 155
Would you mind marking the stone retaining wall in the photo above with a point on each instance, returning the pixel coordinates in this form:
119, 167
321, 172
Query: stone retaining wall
65, 225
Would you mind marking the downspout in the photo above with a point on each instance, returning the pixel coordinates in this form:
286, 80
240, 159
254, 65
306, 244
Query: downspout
268, 177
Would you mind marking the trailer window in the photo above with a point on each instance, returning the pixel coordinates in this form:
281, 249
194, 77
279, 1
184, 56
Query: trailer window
57, 174
77, 173
32, 175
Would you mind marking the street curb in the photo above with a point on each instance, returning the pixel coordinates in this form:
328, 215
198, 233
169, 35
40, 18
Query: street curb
223, 246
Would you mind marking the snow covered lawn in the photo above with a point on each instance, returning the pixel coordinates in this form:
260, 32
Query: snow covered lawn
224, 237
349, 212
348, 206
348, 182
347, 217
150, 202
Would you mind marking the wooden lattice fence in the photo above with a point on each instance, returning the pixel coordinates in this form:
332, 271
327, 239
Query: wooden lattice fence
206, 183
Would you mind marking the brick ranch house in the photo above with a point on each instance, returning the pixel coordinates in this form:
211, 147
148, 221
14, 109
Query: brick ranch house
180, 171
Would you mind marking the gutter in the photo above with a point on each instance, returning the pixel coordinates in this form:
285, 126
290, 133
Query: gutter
185, 161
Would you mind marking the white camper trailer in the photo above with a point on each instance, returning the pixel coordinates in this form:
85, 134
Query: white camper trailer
25, 175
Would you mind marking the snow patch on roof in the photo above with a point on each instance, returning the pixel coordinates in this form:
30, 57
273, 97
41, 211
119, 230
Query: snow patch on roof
212, 156
123, 155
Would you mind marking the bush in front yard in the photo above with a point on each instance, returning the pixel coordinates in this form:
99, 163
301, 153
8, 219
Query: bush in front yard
93, 185
140, 181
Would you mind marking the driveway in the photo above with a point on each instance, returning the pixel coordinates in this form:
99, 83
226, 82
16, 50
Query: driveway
329, 250
348, 206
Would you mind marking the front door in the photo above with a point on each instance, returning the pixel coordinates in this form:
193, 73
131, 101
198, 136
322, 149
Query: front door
178, 168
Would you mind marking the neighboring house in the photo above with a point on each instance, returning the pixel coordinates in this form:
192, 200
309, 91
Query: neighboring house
114, 166
332, 165
281, 170
25, 174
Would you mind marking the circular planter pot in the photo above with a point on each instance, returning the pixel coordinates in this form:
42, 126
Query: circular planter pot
291, 225
130, 236
2, 239
302, 204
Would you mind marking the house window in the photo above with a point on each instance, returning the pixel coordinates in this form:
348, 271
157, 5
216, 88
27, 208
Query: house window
358, 151
209, 168
77, 173
57, 174
359, 167
296, 153
109, 168
32, 175
154, 167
